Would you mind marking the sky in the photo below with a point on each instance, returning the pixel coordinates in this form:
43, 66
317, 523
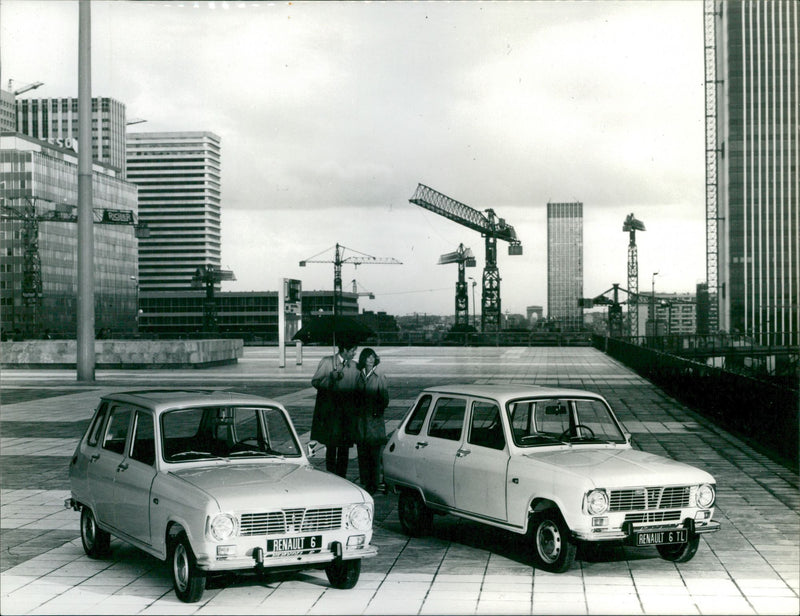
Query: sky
331, 113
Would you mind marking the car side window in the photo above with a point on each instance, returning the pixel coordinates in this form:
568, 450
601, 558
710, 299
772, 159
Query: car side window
448, 418
486, 427
117, 431
143, 447
96, 428
414, 425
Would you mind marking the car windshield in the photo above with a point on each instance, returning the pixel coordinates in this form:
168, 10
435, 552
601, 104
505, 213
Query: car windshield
227, 432
537, 422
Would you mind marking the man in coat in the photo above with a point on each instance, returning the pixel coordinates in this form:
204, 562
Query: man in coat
335, 381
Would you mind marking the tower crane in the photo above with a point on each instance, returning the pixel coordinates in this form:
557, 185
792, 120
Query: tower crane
632, 225
338, 260
23, 89
490, 227
464, 257
368, 294
24, 208
207, 276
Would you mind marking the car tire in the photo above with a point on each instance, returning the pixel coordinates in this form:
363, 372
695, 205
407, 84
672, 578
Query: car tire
680, 553
344, 574
415, 518
553, 548
96, 542
188, 580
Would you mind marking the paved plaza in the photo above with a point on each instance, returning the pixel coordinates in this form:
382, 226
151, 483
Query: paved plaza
752, 566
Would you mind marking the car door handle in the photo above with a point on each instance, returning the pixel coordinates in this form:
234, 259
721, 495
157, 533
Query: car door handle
420, 445
95, 456
122, 467
463, 452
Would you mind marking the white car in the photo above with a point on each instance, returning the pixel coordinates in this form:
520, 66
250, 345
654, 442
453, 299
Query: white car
214, 481
552, 462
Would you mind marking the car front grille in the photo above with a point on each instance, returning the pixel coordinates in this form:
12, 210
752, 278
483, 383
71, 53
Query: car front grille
653, 516
643, 499
290, 521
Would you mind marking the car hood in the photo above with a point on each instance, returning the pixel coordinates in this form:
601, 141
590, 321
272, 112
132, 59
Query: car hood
617, 468
273, 485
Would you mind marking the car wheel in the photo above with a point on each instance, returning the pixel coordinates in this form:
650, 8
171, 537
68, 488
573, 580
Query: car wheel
554, 550
681, 552
415, 518
96, 542
344, 574
188, 580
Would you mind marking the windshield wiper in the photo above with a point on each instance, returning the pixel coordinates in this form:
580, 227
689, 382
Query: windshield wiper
196, 454
253, 452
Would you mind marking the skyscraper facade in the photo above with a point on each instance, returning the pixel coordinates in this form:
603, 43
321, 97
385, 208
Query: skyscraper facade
56, 120
565, 264
758, 256
178, 174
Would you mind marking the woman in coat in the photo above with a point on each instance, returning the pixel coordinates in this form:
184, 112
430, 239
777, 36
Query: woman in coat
335, 380
370, 434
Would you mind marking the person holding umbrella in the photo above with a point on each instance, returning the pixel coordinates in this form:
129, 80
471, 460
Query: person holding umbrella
335, 381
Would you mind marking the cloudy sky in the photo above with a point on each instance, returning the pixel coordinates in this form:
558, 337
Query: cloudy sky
331, 113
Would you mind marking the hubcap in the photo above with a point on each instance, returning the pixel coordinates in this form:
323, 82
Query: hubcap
180, 566
548, 541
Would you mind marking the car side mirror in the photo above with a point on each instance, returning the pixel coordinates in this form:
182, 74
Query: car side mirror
628, 438
311, 448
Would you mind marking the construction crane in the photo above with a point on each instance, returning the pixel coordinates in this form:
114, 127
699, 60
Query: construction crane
490, 227
464, 257
23, 89
632, 225
338, 260
368, 294
24, 208
207, 276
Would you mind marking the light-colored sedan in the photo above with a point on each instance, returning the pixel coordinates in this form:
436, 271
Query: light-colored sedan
214, 481
555, 463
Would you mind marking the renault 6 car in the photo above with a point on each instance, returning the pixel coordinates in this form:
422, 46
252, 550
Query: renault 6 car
554, 464
213, 482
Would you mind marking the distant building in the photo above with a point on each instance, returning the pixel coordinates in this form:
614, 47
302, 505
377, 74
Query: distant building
8, 113
55, 120
757, 222
38, 264
565, 264
534, 314
675, 313
178, 174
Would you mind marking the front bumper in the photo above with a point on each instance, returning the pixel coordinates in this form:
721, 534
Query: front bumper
627, 533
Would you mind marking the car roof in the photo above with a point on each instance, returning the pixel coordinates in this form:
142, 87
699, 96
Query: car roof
163, 399
508, 391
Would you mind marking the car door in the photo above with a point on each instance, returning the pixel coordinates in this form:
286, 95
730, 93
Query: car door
401, 452
104, 462
134, 477
438, 448
481, 463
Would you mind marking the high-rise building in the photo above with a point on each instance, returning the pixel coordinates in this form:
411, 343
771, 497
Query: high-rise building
38, 229
56, 120
752, 179
178, 174
565, 264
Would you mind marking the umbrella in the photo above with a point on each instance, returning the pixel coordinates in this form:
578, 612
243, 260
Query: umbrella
332, 329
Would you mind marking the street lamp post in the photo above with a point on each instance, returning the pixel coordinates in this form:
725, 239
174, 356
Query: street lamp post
474, 307
653, 303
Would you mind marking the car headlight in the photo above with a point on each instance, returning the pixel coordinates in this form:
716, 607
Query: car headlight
705, 495
222, 526
360, 517
597, 502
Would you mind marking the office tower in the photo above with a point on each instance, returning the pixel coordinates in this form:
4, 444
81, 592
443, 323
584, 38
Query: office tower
38, 229
751, 95
56, 120
565, 264
178, 174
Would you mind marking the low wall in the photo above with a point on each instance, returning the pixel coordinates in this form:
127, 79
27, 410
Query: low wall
122, 353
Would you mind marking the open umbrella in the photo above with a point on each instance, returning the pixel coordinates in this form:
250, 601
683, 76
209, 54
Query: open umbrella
332, 329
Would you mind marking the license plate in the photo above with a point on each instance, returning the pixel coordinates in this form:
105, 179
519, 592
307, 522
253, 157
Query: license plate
293, 546
662, 537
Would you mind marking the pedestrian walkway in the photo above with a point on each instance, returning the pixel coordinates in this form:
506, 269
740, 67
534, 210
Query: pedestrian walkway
749, 567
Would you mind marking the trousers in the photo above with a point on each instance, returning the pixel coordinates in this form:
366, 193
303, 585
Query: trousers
336, 458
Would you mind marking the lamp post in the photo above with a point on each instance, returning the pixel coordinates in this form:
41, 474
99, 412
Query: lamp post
474, 307
653, 303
